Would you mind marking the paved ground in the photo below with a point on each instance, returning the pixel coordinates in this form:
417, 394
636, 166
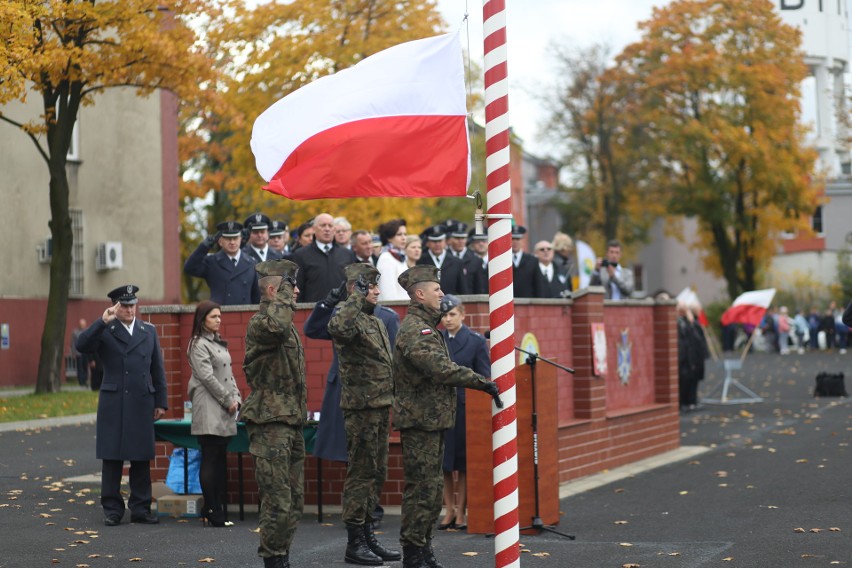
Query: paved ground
759, 485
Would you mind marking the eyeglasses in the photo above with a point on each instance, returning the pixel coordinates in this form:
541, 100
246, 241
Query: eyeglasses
544, 249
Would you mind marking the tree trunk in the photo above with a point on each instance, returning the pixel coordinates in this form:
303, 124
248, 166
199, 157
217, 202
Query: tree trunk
53, 336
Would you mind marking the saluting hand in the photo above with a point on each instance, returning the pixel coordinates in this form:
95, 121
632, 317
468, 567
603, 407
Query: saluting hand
109, 313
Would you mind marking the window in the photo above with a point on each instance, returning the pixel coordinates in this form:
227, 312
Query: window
816, 220
75, 288
74, 147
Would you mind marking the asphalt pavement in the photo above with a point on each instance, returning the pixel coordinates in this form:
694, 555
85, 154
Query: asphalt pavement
754, 485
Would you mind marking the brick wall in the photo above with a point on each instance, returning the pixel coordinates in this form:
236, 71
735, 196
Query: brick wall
602, 422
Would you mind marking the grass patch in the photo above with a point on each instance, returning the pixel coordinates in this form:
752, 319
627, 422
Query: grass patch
51, 405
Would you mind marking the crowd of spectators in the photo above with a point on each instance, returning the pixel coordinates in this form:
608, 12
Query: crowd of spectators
322, 246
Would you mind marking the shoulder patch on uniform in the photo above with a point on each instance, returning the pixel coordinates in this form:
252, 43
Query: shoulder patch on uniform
426, 331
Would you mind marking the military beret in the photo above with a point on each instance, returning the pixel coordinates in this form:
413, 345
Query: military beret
434, 233
230, 228
257, 222
518, 231
281, 267
277, 228
419, 273
124, 294
472, 235
357, 269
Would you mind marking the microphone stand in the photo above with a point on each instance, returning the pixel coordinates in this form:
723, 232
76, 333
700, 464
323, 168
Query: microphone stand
532, 358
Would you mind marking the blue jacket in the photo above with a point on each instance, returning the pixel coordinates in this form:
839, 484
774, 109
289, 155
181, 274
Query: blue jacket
229, 285
134, 384
330, 443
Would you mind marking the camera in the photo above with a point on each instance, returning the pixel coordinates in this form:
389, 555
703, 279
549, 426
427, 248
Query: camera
605, 263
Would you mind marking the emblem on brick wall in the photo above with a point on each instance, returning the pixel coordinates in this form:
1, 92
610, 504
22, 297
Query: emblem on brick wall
625, 357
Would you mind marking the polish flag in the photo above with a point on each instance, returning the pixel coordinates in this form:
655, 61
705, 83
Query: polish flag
689, 298
394, 125
749, 307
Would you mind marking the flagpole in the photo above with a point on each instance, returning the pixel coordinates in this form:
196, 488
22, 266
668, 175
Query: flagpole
501, 301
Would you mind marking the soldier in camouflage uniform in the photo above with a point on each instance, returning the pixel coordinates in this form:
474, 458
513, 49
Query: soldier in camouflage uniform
366, 374
424, 406
275, 410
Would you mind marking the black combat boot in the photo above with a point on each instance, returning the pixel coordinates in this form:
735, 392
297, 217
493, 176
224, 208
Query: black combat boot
277, 561
429, 556
357, 551
413, 557
377, 548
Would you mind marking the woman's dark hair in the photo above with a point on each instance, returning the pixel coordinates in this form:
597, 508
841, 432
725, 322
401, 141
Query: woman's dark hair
388, 230
201, 312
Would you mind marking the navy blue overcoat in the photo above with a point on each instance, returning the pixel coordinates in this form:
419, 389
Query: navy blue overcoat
229, 285
134, 384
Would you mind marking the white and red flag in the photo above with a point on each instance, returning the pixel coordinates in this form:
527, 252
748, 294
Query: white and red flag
394, 125
749, 307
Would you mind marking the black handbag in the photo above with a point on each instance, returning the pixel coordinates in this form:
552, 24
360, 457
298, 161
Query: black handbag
830, 384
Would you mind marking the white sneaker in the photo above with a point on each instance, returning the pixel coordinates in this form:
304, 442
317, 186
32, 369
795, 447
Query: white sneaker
843, 352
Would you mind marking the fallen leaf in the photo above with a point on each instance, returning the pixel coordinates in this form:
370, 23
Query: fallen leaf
728, 559
799, 530
137, 559
721, 474
619, 522
674, 553
82, 566
624, 544
802, 461
683, 493
541, 554
207, 560
810, 556
816, 530
834, 529
631, 565
94, 556
470, 554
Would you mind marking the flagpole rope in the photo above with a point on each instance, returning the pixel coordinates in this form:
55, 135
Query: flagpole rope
501, 302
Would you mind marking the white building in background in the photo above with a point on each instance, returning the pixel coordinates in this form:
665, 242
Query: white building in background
668, 264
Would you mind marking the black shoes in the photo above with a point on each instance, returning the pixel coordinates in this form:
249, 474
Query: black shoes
277, 561
146, 519
450, 525
112, 521
357, 550
376, 547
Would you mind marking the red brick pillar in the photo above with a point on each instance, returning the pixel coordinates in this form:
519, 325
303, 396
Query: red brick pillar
665, 354
589, 390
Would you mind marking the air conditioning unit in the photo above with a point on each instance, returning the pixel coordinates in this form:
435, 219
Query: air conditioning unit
108, 256
45, 251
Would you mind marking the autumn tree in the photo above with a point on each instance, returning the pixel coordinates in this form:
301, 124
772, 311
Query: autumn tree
716, 86
587, 122
66, 52
266, 52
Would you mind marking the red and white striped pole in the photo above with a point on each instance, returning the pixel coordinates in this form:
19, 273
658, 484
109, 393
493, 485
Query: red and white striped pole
501, 299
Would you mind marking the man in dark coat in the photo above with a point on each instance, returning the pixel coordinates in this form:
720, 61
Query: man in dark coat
424, 406
527, 280
457, 240
229, 273
453, 279
258, 226
555, 282
477, 273
132, 396
321, 262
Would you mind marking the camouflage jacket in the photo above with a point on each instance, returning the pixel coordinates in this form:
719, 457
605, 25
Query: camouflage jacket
424, 375
275, 366
364, 354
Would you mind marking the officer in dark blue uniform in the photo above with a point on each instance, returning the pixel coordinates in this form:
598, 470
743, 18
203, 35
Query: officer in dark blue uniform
132, 396
229, 273
257, 226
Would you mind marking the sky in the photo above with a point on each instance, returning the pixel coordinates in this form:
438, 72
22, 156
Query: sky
531, 28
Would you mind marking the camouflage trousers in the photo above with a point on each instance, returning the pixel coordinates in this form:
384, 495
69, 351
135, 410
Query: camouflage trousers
422, 454
367, 432
279, 458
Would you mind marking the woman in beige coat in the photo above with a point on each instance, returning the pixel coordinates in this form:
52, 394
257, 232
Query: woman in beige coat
215, 401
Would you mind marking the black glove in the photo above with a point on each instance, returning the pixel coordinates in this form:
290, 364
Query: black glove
335, 296
362, 286
212, 239
492, 389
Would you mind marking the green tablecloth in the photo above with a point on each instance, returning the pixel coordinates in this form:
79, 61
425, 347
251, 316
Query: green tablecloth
178, 433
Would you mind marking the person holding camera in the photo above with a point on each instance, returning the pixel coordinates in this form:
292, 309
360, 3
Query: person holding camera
617, 280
